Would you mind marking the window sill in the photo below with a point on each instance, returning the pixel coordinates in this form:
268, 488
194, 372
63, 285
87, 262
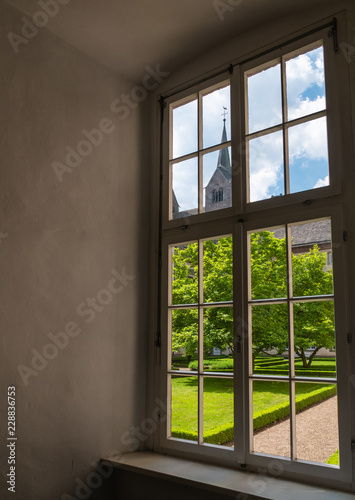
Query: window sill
220, 479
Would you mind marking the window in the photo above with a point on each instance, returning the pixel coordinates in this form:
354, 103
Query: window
200, 165
253, 303
286, 125
217, 196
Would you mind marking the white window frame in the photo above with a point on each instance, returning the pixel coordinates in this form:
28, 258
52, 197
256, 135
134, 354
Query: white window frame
238, 220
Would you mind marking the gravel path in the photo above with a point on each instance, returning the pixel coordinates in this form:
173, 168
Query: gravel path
316, 431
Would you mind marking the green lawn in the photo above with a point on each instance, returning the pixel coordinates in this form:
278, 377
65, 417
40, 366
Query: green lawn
218, 393
218, 400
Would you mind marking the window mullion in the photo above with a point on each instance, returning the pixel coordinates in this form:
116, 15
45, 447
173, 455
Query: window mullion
241, 441
200, 342
237, 131
284, 128
291, 346
200, 157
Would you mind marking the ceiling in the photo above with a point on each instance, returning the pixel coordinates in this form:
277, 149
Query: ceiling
128, 35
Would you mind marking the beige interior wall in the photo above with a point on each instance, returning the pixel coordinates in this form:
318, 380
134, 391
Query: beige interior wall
59, 243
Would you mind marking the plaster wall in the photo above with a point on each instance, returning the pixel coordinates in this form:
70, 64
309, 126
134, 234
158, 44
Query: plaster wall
59, 243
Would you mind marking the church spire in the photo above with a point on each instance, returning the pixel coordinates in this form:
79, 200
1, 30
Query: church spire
223, 157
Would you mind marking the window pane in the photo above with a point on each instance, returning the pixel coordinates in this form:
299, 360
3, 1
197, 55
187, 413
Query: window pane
268, 264
264, 99
305, 84
216, 105
314, 338
185, 129
311, 267
185, 273
218, 338
218, 421
266, 167
185, 188
308, 155
184, 338
217, 180
184, 407
271, 409
270, 339
317, 425
218, 270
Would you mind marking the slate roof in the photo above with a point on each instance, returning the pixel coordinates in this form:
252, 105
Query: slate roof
186, 213
309, 234
227, 172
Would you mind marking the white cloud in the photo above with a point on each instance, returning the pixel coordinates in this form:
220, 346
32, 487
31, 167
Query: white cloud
264, 99
185, 184
303, 73
266, 166
309, 140
306, 107
185, 129
322, 182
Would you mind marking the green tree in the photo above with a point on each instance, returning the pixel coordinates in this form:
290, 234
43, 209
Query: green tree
313, 321
217, 287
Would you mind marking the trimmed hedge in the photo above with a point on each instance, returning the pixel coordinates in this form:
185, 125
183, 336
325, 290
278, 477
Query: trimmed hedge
278, 412
225, 433
301, 373
227, 366
214, 365
268, 362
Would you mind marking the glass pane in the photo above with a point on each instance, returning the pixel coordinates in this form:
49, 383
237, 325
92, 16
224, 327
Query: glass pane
217, 180
314, 337
308, 155
271, 410
184, 339
216, 105
266, 167
218, 421
184, 408
264, 99
185, 273
218, 270
270, 339
185, 129
305, 84
311, 264
317, 437
218, 339
268, 264
185, 188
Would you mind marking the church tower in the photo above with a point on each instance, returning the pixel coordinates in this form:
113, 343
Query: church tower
218, 192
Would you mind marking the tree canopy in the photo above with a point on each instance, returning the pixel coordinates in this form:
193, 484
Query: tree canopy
313, 320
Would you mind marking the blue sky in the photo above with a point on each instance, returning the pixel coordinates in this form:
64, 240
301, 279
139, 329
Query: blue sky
185, 141
308, 152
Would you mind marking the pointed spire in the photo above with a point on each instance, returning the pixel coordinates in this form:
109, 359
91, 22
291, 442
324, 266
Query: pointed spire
223, 157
